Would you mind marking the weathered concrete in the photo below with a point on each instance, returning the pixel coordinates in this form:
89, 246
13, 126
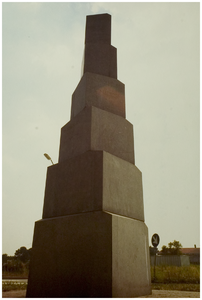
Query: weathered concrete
72, 257
99, 91
96, 129
95, 254
100, 60
74, 186
122, 188
98, 29
95, 180
99, 56
130, 259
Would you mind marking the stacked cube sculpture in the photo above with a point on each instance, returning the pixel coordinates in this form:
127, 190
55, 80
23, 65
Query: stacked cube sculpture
92, 240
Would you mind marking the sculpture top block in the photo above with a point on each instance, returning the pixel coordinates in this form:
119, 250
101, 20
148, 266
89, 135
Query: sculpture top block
100, 57
98, 29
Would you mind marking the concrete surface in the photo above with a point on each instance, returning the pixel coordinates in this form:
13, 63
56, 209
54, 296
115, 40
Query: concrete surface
102, 252
74, 186
122, 188
92, 181
100, 91
96, 129
98, 29
100, 60
99, 56
80, 249
130, 258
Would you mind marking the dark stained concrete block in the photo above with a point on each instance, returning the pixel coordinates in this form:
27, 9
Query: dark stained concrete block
94, 254
100, 59
75, 136
130, 260
122, 188
96, 129
98, 29
94, 181
99, 56
74, 186
72, 257
99, 91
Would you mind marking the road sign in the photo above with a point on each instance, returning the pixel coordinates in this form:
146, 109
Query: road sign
155, 240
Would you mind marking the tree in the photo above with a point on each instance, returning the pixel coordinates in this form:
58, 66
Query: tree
165, 250
172, 249
18, 263
13, 266
4, 258
23, 254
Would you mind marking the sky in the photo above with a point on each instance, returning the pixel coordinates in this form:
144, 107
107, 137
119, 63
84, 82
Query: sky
158, 61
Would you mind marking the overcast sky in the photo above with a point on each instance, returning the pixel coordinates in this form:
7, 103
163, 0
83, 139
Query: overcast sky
158, 61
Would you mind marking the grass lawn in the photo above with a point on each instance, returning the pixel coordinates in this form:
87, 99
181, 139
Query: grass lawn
189, 287
173, 274
14, 275
176, 278
166, 278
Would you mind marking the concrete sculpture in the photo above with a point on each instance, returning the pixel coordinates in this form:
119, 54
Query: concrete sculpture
92, 240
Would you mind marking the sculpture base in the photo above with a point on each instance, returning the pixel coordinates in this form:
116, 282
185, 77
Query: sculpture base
95, 254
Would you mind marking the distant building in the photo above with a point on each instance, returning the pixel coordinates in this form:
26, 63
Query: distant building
170, 260
193, 253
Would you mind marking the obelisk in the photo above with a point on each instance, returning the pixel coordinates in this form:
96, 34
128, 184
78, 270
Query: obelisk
92, 240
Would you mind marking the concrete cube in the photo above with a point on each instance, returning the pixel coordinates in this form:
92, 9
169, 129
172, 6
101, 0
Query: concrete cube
95, 254
100, 59
95, 180
99, 56
99, 91
98, 29
96, 129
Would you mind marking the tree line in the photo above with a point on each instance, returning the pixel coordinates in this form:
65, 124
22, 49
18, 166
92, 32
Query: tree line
19, 263
173, 248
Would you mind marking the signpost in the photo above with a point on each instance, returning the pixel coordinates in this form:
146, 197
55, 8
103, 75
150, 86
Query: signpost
155, 241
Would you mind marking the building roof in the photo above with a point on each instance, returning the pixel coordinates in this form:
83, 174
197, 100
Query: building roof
190, 251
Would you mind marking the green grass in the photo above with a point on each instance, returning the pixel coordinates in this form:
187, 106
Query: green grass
189, 287
172, 274
176, 278
12, 275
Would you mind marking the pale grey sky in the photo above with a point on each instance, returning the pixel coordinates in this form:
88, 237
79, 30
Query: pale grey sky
158, 61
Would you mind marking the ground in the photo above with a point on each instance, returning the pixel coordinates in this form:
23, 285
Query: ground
155, 294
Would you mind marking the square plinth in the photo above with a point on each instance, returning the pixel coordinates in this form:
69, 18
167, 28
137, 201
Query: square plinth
94, 181
89, 255
96, 129
99, 91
